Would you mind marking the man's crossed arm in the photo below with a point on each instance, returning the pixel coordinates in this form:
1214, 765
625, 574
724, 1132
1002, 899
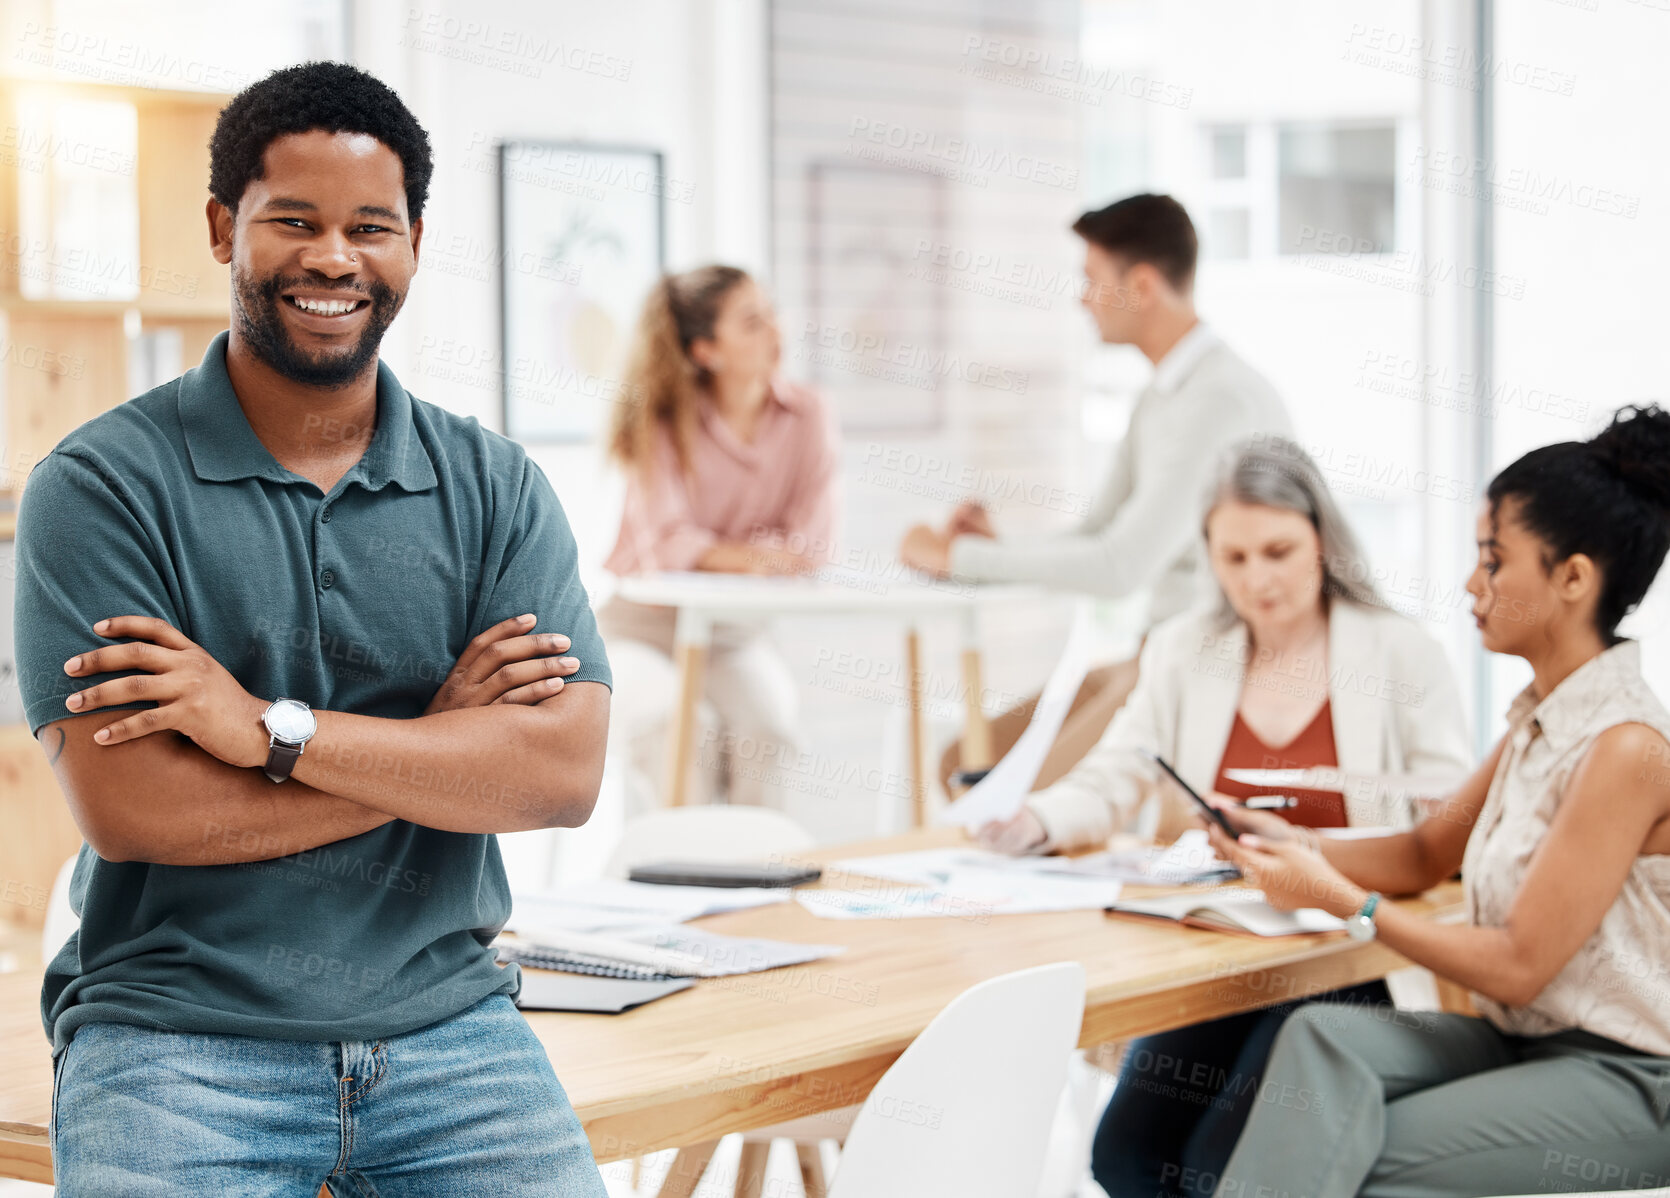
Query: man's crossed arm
504, 746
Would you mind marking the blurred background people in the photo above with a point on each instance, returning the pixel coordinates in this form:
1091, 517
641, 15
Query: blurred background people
729, 469
1139, 268
1296, 664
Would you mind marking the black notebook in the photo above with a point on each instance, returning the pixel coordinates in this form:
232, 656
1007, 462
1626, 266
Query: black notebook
544, 990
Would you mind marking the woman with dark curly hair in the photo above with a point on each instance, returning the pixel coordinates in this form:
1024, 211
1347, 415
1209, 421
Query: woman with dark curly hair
1562, 837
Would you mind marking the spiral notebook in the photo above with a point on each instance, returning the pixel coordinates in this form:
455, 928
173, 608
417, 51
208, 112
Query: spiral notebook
568, 961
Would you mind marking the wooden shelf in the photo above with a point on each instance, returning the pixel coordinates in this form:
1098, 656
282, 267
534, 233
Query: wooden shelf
69, 357
150, 310
139, 97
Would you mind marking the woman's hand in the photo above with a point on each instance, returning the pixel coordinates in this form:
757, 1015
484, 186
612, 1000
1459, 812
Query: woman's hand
779, 562
1291, 872
506, 664
971, 519
1267, 824
1018, 835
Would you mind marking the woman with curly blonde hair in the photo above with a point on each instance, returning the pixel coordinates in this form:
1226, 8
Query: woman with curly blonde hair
729, 469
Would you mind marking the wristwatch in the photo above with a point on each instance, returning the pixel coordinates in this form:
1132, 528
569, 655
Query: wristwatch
290, 725
1361, 925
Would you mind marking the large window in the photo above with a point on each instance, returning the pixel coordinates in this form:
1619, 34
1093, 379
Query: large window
1337, 177
1304, 150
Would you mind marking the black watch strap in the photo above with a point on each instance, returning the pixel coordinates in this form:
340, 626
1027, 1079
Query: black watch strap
281, 759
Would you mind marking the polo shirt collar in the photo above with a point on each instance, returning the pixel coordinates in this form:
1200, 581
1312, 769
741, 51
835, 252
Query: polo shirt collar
224, 448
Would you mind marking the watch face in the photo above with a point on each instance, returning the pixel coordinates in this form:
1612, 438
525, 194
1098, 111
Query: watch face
289, 721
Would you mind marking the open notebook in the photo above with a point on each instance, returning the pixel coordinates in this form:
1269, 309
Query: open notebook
1230, 910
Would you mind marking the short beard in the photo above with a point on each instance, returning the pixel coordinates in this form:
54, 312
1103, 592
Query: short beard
262, 330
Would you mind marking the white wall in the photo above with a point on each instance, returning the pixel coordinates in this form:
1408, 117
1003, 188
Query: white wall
1584, 214
683, 78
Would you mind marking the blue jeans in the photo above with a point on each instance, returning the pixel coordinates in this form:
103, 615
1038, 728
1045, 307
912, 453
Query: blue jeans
466, 1106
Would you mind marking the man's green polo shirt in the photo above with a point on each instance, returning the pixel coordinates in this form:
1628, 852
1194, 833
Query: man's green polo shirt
360, 601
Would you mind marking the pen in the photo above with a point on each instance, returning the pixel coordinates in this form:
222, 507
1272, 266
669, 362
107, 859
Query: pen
1270, 803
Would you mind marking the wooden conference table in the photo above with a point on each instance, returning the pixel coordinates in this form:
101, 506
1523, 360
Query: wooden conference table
704, 600
733, 1054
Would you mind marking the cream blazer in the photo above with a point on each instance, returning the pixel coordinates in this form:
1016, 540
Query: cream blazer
1395, 709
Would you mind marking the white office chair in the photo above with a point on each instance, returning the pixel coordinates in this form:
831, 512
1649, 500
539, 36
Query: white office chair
967, 1109
1663, 1192
706, 833
60, 920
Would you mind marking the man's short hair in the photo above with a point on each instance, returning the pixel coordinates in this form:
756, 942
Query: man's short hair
332, 96
1146, 228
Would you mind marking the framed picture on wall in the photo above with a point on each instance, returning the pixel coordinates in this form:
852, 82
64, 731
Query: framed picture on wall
582, 237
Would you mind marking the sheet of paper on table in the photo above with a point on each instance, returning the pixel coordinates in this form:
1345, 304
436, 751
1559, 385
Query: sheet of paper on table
614, 905
1187, 861
833, 577
1001, 792
708, 954
957, 883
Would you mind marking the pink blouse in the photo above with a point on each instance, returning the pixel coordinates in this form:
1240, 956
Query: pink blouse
780, 490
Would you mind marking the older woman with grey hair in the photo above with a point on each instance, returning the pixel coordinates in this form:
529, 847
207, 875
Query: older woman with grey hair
1296, 663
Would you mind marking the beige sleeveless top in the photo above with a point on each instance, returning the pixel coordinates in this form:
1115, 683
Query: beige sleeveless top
1618, 983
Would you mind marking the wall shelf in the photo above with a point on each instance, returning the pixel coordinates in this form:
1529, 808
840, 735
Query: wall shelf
64, 360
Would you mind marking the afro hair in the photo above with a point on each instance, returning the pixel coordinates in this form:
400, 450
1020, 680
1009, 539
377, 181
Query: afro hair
332, 96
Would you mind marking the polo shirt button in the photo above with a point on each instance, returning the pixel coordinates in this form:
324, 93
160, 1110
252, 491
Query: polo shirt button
325, 514
327, 579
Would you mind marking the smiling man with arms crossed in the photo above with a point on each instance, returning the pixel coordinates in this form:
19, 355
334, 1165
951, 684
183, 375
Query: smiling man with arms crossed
274, 562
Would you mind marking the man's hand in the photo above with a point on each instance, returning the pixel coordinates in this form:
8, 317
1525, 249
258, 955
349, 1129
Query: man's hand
506, 664
971, 519
195, 695
926, 548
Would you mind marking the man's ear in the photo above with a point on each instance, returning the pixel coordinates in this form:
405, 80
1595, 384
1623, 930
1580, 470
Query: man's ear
221, 220
417, 238
1146, 284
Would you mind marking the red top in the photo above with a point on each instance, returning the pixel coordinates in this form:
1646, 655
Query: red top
1312, 747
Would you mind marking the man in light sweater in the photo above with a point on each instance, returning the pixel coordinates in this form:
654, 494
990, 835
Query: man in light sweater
1143, 530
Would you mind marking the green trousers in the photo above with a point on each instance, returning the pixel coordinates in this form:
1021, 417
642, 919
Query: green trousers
1399, 1104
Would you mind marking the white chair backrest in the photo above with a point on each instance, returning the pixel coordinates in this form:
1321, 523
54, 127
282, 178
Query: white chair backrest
967, 1108
706, 833
60, 920
1661, 1192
